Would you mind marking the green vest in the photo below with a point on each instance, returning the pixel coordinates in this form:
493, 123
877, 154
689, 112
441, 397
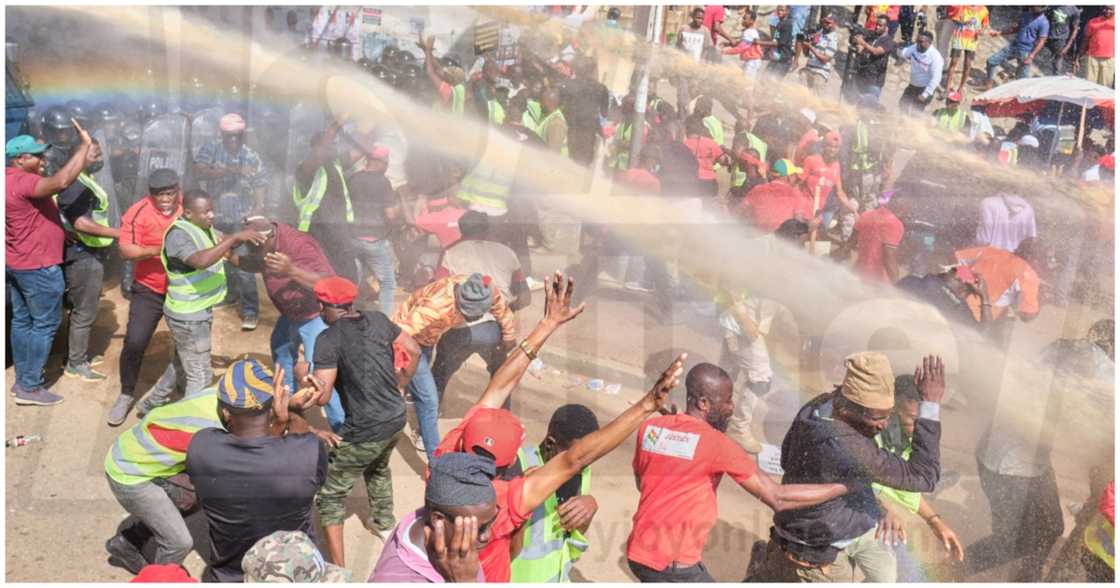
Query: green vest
549, 551
910, 500
136, 457
99, 214
497, 113
458, 98
196, 290
861, 149
951, 121
548, 120
308, 204
621, 158
532, 113
483, 187
755, 143
1100, 539
715, 129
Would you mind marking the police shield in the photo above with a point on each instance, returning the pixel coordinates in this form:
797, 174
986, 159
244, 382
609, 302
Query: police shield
164, 143
305, 121
204, 129
104, 176
267, 135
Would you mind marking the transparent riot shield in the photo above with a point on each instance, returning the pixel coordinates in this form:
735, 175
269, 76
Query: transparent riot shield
164, 143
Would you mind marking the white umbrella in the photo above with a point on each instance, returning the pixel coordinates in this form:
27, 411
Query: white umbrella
1078, 91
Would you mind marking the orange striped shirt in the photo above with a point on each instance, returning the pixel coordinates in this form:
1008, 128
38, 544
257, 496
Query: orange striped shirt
431, 311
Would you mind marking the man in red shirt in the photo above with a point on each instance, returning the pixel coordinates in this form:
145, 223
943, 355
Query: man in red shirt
1097, 56
876, 236
713, 21
678, 464
33, 242
822, 178
142, 228
771, 204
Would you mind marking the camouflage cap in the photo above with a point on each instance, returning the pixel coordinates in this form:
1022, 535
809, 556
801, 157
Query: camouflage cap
289, 556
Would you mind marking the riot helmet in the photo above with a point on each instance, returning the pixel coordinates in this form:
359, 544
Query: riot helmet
81, 111
151, 109
107, 116
384, 74
58, 129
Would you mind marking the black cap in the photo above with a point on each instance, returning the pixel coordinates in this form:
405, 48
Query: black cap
163, 178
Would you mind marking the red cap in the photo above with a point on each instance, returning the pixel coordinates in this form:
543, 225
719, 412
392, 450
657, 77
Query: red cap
964, 274
379, 152
954, 96
497, 431
162, 574
335, 290
1108, 161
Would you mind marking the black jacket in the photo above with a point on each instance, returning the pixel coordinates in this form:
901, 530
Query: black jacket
819, 449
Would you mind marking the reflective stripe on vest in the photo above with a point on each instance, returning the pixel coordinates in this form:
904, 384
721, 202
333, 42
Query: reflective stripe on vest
137, 457
533, 111
196, 290
951, 121
308, 204
862, 149
497, 113
98, 214
548, 552
483, 187
1100, 539
544, 125
458, 98
621, 159
715, 129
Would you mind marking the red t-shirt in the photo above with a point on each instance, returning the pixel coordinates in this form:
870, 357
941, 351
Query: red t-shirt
707, 152
292, 299
443, 223
819, 174
712, 16
143, 225
679, 462
642, 180
494, 557
807, 141
771, 204
33, 236
1100, 35
876, 228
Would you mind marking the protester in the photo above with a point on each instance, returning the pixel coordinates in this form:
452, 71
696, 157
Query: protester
971, 21
34, 240
233, 173
695, 41
707, 152
142, 228
745, 325
259, 472
823, 181
584, 102
290, 557
769, 205
323, 198
679, 460
163, 574
1096, 54
926, 65
369, 360
871, 63
377, 210
784, 55
449, 81
427, 315
1030, 36
952, 117
1010, 277
955, 293
875, 238
748, 48
831, 439
1099, 557
1005, 221
1064, 23
84, 207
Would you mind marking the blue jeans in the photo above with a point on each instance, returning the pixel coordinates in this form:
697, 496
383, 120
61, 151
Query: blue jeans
1003, 56
286, 337
36, 297
243, 285
378, 257
425, 395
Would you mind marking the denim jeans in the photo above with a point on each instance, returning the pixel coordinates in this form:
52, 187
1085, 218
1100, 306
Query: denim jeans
1003, 56
190, 369
457, 345
153, 513
83, 288
36, 297
378, 257
286, 338
425, 395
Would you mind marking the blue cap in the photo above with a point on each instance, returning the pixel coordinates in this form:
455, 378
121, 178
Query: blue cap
246, 384
24, 144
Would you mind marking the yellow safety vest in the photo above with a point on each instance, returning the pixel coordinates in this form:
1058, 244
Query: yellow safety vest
1100, 539
308, 204
497, 113
458, 98
911, 500
196, 290
532, 116
549, 551
136, 457
951, 121
861, 150
544, 125
621, 159
99, 214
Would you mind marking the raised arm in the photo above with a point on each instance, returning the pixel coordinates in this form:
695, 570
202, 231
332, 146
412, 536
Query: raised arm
541, 483
557, 311
781, 497
84, 156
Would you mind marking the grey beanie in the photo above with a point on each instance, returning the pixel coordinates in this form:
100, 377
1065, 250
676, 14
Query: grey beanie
474, 296
460, 479
163, 178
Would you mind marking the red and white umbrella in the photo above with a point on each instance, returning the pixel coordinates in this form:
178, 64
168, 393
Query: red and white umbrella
1031, 94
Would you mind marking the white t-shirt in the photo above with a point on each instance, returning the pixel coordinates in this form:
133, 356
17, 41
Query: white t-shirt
694, 41
749, 36
754, 356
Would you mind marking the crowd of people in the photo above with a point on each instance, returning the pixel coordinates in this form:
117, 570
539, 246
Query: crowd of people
384, 287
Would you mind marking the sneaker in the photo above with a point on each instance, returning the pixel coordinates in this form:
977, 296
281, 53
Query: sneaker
249, 323
37, 397
15, 389
418, 442
747, 441
637, 287
84, 373
120, 410
96, 360
123, 554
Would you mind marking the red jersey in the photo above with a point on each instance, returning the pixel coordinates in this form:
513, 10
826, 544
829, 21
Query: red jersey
680, 461
771, 204
820, 178
876, 228
143, 225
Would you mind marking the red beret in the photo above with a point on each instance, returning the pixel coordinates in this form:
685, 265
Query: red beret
335, 290
163, 574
